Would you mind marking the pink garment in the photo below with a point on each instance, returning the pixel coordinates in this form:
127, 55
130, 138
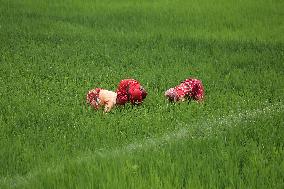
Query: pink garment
188, 89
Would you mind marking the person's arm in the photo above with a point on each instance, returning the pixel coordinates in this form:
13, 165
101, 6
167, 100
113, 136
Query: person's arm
122, 92
108, 106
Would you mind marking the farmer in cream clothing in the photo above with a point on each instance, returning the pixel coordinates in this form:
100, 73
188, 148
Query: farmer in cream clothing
100, 97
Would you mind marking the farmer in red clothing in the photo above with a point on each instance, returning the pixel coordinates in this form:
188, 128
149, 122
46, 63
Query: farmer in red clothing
190, 88
130, 90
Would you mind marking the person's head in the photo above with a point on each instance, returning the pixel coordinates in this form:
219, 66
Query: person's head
171, 95
92, 97
143, 92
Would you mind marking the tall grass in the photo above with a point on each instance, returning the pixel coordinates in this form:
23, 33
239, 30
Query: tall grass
53, 52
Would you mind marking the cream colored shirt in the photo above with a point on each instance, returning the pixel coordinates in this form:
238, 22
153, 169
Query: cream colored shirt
107, 99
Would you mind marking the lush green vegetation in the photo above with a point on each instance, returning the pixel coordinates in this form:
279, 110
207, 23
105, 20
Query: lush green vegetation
53, 52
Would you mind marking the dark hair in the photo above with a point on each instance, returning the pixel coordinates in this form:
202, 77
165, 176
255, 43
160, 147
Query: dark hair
143, 92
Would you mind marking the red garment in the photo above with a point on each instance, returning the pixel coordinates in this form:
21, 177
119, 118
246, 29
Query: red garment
130, 90
189, 88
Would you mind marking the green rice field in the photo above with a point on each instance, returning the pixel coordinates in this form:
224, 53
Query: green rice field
53, 52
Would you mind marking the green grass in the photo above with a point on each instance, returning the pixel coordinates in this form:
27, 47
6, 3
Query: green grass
53, 52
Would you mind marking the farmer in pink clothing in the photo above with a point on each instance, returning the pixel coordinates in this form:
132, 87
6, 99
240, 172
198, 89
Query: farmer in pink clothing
190, 88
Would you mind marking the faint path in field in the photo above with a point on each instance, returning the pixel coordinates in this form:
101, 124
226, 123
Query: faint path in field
182, 132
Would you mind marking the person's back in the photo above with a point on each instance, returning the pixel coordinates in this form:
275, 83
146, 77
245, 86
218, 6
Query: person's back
107, 99
130, 90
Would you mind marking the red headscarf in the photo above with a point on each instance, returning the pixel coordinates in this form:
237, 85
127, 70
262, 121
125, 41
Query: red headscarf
93, 97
